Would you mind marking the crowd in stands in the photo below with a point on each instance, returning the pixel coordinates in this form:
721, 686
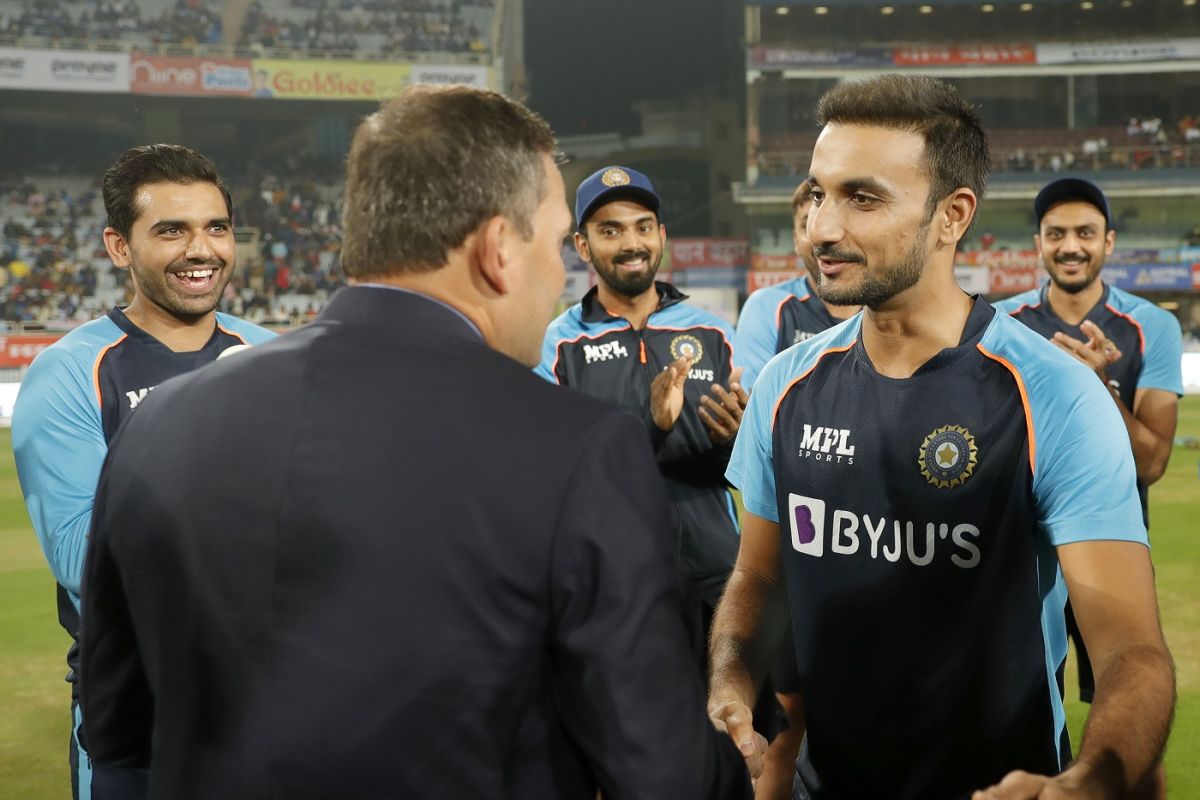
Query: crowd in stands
410, 26
1142, 144
54, 268
350, 26
186, 22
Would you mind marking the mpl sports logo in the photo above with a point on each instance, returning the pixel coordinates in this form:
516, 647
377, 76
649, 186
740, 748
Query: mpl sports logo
826, 444
603, 352
878, 537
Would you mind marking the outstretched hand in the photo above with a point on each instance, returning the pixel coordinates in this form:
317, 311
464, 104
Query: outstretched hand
736, 719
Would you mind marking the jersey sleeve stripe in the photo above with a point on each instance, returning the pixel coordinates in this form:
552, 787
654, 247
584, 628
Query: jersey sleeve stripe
802, 376
96, 368
1134, 323
779, 314
1024, 402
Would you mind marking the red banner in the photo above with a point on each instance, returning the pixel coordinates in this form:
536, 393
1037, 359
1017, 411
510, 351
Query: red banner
151, 74
19, 351
761, 279
689, 253
1196, 277
983, 54
1008, 259
1009, 280
791, 261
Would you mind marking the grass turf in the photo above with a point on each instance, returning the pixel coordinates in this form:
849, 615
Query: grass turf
34, 725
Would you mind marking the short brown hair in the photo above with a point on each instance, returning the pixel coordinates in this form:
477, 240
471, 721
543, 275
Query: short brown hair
802, 196
430, 167
956, 149
153, 163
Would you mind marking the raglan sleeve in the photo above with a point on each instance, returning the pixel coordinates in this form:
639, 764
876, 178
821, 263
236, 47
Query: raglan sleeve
59, 448
756, 337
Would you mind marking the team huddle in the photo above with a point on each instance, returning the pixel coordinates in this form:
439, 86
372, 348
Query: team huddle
379, 557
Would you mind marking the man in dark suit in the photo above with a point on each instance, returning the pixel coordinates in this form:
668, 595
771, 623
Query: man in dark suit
379, 557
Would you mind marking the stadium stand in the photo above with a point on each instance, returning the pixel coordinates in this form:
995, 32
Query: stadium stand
54, 269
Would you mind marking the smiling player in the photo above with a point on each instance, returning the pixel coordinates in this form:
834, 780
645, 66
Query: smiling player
170, 224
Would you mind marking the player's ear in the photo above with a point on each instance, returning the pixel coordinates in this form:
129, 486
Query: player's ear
959, 210
492, 252
1110, 241
117, 247
582, 247
1037, 242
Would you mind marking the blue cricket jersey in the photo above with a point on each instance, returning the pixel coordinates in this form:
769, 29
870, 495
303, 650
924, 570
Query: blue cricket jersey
773, 319
918, 524
72, 400
603, 356
1149, 337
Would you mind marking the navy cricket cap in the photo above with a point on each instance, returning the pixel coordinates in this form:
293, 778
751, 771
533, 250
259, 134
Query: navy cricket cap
608, 183
1071, 189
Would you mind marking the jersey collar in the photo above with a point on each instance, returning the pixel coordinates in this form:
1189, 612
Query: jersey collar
594, 310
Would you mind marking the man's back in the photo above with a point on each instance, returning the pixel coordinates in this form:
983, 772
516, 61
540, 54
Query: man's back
424, 588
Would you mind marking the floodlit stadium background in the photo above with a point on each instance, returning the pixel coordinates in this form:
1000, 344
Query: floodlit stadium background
713, 99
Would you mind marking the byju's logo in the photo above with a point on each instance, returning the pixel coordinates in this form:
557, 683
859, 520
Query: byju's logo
880, 538
807, 517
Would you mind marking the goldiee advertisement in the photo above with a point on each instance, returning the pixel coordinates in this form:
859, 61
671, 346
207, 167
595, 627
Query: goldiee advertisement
328, 80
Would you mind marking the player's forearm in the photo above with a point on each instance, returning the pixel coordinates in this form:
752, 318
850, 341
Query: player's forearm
1151, 452
1127, 729
745, 633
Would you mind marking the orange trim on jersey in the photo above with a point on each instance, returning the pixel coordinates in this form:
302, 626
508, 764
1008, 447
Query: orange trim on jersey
779, 311
237, 336
802, 376
1022, 307
558, 347
1135, 323
1024, 402
96, 368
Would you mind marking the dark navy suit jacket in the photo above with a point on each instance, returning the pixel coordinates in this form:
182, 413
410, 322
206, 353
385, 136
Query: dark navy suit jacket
376, 558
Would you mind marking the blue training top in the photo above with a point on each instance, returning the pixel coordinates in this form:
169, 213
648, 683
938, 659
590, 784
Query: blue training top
918, 524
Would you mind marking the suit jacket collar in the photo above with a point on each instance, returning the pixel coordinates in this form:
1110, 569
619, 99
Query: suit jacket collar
387, 308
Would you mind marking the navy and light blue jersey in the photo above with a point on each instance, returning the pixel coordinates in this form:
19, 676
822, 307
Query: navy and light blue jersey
72, 400
773, 319
1149, 337
604, 356
918, 524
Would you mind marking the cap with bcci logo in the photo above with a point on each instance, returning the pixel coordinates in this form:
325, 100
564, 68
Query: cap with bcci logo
611, 182
1065, 189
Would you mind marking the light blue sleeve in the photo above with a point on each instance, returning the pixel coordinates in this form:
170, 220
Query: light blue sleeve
751, 468
1011, 304
59, 447
253, 334
545, 369
756, 337
1162, 363
1084, 480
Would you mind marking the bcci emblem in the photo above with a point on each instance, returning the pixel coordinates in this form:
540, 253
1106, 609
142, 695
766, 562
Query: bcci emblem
948, 456
686, 346
615, 177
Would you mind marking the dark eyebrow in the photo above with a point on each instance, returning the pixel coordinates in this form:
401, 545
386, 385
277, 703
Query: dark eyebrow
616, 223
163, 224
857, 185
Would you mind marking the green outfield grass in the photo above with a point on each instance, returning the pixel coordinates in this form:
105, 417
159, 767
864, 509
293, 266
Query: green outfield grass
34, 699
